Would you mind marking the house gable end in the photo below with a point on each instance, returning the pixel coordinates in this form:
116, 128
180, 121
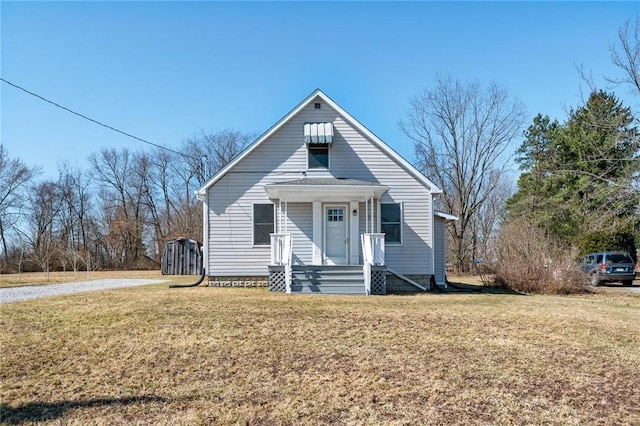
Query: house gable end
342, 118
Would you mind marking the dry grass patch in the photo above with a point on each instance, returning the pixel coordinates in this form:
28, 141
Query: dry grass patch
151, 355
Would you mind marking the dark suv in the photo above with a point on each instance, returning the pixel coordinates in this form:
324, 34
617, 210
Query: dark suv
609, 266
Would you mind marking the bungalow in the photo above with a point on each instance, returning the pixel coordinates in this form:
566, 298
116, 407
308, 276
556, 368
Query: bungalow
319, 203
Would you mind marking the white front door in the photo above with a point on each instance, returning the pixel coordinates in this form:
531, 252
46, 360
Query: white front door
336, 239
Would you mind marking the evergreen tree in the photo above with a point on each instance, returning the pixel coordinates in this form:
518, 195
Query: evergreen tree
580, 176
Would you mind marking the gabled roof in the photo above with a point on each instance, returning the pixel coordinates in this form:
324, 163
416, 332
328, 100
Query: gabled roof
348, 117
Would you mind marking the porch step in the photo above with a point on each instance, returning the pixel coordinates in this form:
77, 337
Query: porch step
340, 279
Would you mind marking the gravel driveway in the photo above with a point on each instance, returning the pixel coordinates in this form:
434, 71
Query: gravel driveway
17, 294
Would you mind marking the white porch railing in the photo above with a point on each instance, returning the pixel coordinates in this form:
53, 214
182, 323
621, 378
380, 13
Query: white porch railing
372, 254
281, 253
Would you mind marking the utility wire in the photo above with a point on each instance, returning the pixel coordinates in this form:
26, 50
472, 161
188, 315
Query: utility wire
96, 121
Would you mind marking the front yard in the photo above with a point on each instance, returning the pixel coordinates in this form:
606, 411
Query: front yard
153, 355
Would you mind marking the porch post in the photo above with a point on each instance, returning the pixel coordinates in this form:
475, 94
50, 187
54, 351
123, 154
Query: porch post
354, 233
366, 215
372, 216
279, 226
317, 233
286, 216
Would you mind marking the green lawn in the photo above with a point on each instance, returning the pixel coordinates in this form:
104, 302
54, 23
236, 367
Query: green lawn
153, 355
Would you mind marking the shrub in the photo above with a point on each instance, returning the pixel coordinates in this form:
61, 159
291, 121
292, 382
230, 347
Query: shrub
525, 259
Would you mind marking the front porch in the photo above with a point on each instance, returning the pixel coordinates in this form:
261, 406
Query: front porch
331, 214
309, 279
365, 279
328, 236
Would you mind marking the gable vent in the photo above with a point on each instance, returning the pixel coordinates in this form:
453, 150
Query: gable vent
317, 105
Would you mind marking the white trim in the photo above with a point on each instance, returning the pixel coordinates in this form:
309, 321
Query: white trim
317, 233
327, 193
312, 98
388, 243
354, 233
366, 215
433, 239
253, 225
205, 228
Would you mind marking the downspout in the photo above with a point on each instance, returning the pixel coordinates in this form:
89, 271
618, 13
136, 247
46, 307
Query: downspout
195, 284
205, 243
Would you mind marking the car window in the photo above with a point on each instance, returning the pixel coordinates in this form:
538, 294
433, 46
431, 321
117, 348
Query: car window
619, 258
599, 259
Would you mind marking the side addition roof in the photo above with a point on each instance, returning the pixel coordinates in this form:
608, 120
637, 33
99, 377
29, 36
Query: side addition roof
446, 216
348, 117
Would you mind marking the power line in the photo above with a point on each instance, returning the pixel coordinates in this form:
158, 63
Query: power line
96, 121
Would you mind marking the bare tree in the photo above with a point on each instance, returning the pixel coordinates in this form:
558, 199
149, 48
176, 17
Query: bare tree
14, 178
208, 152
485, 224
43, 214
75, 215
626, 56
204, 155
463, 134
122, 204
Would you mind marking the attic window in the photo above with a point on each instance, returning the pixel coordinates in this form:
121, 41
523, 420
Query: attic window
318, 156
317, 105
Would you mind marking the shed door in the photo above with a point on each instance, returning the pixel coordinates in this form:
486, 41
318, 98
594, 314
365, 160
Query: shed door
335, 235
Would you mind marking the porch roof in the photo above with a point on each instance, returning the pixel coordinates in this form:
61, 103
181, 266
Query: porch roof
325, 189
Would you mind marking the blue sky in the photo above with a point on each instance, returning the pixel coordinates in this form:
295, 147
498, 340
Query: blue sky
164, 70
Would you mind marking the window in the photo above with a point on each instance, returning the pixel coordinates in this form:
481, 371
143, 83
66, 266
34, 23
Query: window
391, 223
335, 215
263, 224
319, 156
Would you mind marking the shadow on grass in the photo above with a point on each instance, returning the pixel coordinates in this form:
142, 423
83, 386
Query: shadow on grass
43, 411
455, 287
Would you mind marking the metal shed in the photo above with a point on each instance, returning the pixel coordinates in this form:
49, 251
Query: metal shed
182, 256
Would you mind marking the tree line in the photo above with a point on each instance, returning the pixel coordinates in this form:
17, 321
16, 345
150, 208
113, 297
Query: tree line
117, 215
579, 180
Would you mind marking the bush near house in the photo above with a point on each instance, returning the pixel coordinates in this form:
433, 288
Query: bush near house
526, 260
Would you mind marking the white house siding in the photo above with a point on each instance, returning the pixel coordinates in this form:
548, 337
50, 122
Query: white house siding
414, 255
300, 225
284, 157
440, 249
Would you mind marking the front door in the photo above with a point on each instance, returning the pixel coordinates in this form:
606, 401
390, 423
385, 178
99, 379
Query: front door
336, 241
